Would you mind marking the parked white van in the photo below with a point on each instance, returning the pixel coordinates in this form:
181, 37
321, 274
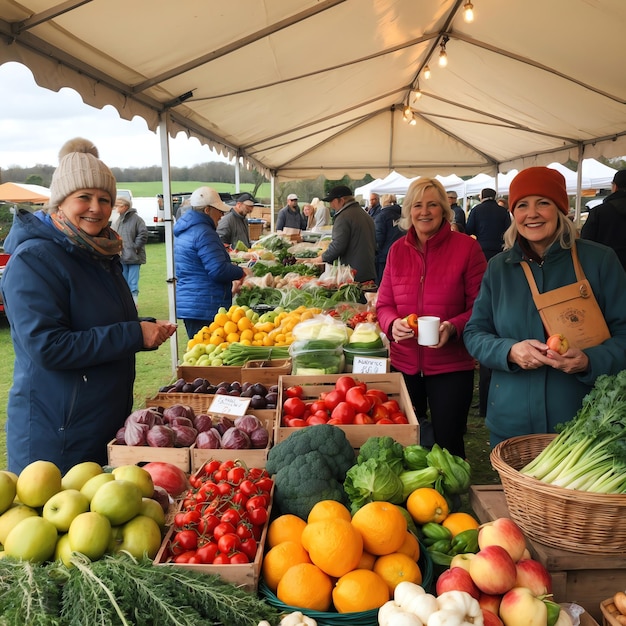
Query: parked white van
150, 209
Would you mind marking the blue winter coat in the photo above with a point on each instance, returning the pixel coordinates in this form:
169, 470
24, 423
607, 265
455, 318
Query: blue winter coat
204, 272
523, 402
75, 333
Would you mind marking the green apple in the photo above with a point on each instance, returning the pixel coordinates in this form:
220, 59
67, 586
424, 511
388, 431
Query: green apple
140, 536
63, 551
63, 507
93, 484
151, 508
118, 500
38, 482
7, 492
32, 539
12, 516
137, 475
77, 476
90, 534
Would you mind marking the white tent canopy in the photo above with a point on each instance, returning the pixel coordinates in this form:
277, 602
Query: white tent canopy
399, 184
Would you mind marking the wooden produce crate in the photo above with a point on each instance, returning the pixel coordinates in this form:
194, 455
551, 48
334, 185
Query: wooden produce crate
214, 375
252, 457
246, 575
586, 579
131, 455
392, 384
609, 611
265, 372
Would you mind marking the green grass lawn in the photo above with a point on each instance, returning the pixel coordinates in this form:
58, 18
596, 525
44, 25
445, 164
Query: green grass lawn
153, 188
155, 369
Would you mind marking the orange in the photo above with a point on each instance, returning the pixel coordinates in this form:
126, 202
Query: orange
397, 567
334, 545
427, 505
230, 327
359, 590
285, 528
411, 546
367, 561
382, 527
306, 586
328, 509
279, 559
221, 319
458, 522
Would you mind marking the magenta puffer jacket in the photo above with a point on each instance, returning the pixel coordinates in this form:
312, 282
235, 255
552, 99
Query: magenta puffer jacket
442, 280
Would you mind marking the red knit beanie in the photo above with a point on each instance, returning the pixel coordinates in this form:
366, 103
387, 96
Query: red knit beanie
539, 181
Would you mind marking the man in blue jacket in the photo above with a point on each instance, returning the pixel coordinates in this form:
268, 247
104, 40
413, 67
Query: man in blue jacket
488, 222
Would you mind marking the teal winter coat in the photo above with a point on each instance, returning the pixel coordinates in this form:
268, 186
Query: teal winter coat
520, 401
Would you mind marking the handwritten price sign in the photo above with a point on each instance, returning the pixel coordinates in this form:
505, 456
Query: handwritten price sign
369, 365
229, 405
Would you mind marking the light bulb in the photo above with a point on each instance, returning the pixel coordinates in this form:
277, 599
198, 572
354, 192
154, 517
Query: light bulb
468, 16
407, 113
417, 94
443, 57
426, 72
413, 121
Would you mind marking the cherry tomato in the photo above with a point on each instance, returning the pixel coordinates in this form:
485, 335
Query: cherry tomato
226, 465
344, 412
186, 557
244, 531
191, 518
247, 487
179, 520
258, 516
228, 543
249, 547
186, 539
224, 489
363, 418
223, 528
236, 475
220, 475
238, 558
208, 523
194, 481
265, 484
210, 467
294, 391
239, 499
260, 501
231, 516
221, 559
207, 552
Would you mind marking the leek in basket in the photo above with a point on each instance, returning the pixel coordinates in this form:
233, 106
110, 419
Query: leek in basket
589, 453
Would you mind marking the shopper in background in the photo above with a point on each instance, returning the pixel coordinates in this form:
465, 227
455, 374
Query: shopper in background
204, 271
132, 229
290, 216
459, 213
317, 215
374, 206
233, 227
353, 239
432, 271
74, 324
387, 224
534, 388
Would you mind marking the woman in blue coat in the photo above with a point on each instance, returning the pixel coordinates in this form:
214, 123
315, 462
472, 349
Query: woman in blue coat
534, 388
204, 271
73, 321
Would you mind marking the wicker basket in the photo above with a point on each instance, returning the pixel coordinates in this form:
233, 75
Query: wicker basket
579, 521
362, 618
609, 611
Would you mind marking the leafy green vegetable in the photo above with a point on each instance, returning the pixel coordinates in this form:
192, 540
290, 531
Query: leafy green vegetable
253, 296
415, 457
260, 269
416, 479
383, 449
589, 453
373, 480
454, 472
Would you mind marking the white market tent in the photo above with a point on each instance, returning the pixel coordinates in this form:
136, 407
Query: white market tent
399, 184
309, 87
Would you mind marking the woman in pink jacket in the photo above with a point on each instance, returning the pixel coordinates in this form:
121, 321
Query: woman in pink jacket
435, 271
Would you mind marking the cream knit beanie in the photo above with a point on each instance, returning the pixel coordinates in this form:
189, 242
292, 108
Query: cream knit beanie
80, 168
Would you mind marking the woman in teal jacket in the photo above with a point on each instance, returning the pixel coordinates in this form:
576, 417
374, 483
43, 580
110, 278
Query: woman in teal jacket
533, 388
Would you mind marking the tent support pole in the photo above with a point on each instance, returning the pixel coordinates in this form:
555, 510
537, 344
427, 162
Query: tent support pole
579, 184
169, 233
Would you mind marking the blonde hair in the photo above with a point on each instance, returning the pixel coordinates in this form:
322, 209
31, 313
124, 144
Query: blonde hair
416, 192
565, 232
387, 199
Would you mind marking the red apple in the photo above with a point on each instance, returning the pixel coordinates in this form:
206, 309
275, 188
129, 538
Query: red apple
457, 579
493, 570
462, 560
520, 607
503, 532
491, 619
534, 575
490, 602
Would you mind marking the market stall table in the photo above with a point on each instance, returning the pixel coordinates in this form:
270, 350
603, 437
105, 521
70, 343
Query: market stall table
586, 579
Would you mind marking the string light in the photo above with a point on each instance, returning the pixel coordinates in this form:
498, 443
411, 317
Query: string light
426, 72
417, 94
468, 8
443, 55
407, 113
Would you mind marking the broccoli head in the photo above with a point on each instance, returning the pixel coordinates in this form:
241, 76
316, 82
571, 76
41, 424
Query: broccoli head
330, 441
384, 449
303, 483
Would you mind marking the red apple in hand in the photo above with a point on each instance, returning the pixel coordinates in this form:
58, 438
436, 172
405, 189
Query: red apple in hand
503, 532
534, 575
491, 619
490, 602
519, 607
457, 579
493, 570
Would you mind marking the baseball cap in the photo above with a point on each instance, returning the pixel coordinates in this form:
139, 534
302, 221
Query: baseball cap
341, 191
292, 196
206, 196
247, 199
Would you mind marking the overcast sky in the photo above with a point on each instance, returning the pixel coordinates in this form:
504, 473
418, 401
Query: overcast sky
36, 122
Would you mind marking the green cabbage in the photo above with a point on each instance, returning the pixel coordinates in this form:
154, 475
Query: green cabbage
371, 481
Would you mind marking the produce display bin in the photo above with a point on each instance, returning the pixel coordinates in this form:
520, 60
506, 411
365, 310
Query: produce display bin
252, 457
609, 611
119, 454
586, 579
214, 375
245, 576
265, 372
392, 384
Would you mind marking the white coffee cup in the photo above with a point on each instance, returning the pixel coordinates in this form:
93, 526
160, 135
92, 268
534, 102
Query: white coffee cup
428, 330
